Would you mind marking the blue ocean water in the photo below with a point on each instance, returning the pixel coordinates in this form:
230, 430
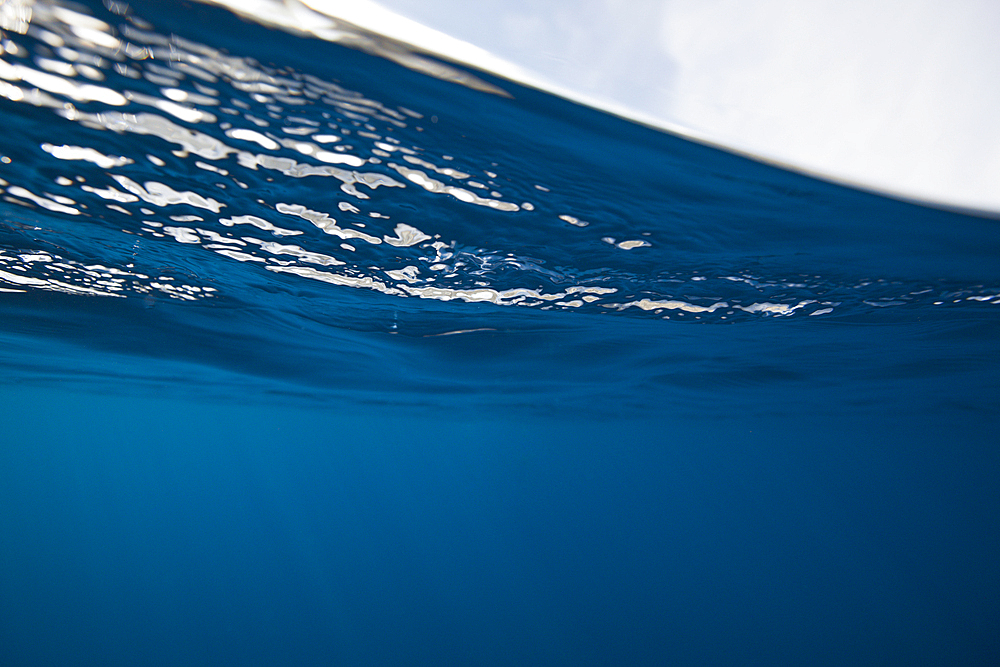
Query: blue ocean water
326, 355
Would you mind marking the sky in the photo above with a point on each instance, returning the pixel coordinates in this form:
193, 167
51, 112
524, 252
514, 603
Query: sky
897, 96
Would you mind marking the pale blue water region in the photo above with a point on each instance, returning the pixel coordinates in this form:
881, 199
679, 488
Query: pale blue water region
310, 358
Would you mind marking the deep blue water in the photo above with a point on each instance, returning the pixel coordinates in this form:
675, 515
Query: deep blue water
310, 358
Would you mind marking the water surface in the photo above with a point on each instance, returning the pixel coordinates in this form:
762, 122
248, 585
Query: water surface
318, 354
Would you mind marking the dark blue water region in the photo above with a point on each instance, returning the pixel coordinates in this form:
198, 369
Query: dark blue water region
163, 531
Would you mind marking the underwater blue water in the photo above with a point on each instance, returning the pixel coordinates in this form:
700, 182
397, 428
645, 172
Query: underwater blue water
308, 356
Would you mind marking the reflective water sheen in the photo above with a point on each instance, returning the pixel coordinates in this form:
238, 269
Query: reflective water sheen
507, 329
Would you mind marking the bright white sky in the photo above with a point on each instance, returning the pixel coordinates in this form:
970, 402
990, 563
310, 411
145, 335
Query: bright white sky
898, 95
